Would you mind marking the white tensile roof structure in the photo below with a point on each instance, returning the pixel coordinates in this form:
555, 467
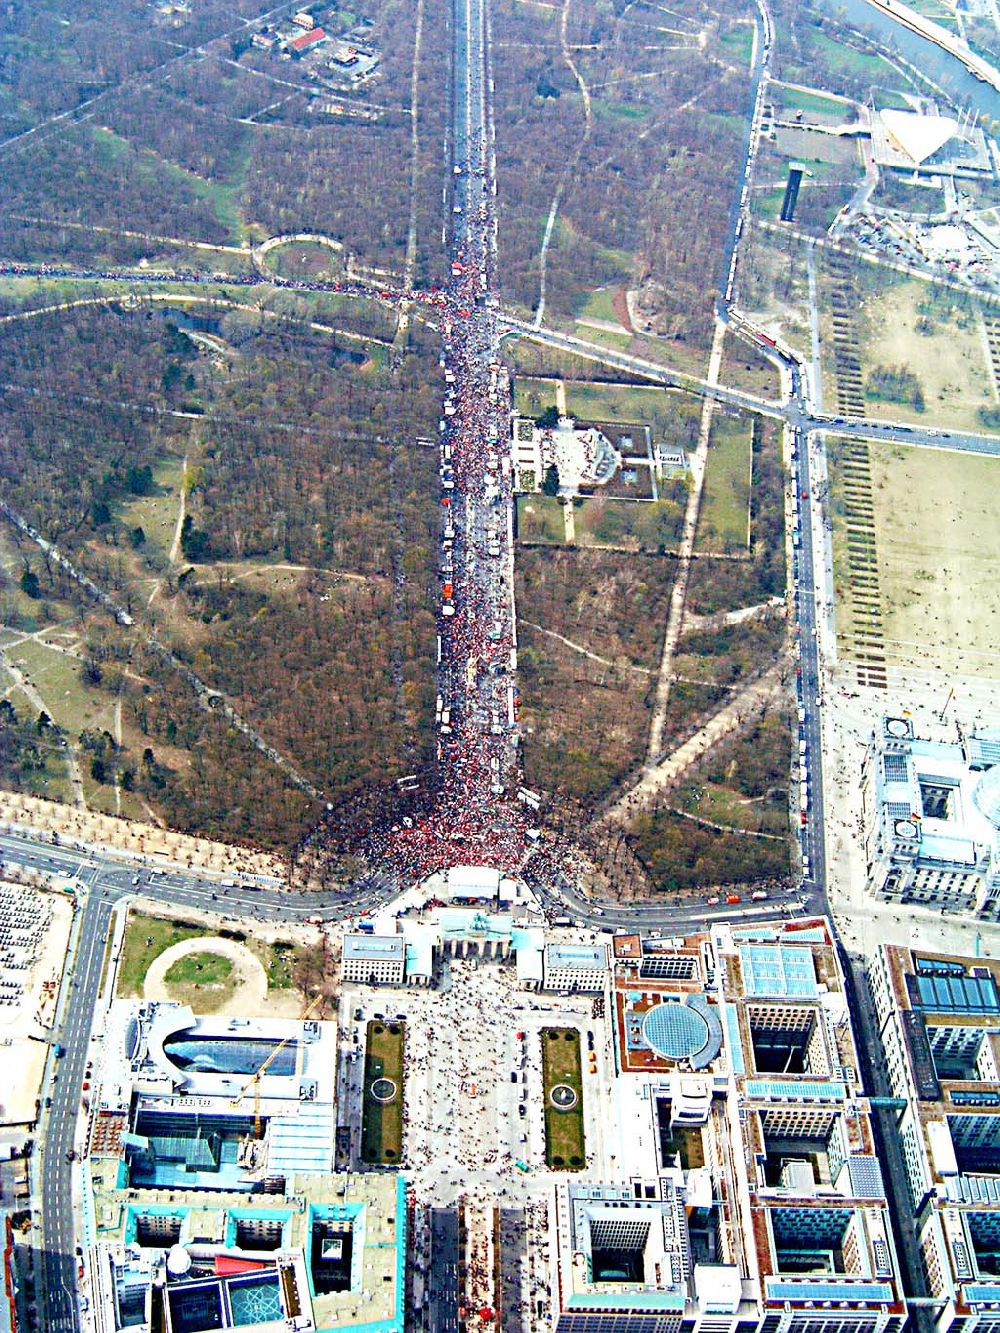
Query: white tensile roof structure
917, 135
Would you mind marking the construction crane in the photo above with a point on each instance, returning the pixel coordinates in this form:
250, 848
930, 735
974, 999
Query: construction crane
254, 1080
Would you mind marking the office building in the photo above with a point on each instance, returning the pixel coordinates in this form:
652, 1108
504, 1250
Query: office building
939, 1021
374, 960
931, 819
574, 967
747, 1194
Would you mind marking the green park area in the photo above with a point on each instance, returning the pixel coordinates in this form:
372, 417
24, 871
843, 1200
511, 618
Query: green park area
205, 981
724, 522
382, 1117
540, 519
146, 937
562, 1080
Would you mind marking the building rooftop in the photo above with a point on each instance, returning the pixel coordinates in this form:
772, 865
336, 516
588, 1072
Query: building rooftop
589, 956
375, 948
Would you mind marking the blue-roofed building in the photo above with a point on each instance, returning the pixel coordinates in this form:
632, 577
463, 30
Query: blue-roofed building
373, 960
326, 1253
738, 1093
575, 967
932, 819
210, 1197
939, 1024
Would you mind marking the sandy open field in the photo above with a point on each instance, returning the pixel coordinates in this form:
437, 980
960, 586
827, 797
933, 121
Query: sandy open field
937, 523
950, 361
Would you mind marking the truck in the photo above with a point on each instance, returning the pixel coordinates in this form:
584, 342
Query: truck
366, 927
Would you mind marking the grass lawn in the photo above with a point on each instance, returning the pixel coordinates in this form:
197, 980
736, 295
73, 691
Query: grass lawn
724, 521
540, 519
797, 99
205, 981
532, 396
306, 259
382, 1124
600, 304
744, 367
279, 963
156, 514
146, 937
205, 968
618, 342
56, 676
738, 43
937, 525
614, 402
841, 57
723, 805
565, 1147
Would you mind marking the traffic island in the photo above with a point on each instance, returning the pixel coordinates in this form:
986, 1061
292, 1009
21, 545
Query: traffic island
382, 1116
562, 1081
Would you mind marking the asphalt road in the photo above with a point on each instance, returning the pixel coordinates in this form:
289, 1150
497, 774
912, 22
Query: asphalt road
809, 680
442, 1293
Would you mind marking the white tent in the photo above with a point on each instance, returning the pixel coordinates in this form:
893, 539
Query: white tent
916, 135
473, 882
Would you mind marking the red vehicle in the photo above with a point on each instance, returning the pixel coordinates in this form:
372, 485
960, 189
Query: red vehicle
733, 898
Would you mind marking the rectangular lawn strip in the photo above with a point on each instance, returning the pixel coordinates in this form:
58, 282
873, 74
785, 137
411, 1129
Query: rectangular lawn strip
382, 1123
146, 937
724, 521
614, 402
156, 514
565, 1145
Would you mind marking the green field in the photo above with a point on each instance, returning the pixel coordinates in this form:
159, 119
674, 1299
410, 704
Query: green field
797, 99
532, 396
146, 937
599, 304
614, 402
565, 1146
205, 981
199, 969
540, 519
156, 514
724, 521
382, 1125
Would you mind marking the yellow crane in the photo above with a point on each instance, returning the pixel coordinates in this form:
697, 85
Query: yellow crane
254, 1080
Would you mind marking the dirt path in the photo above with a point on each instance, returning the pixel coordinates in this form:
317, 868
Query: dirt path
678, 594
175, 545
571, 166
579, 648
757, 696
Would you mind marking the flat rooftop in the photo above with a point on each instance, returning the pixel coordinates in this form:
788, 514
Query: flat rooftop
588, 956
375, 948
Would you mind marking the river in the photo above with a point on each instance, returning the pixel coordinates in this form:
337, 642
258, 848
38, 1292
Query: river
949, 73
